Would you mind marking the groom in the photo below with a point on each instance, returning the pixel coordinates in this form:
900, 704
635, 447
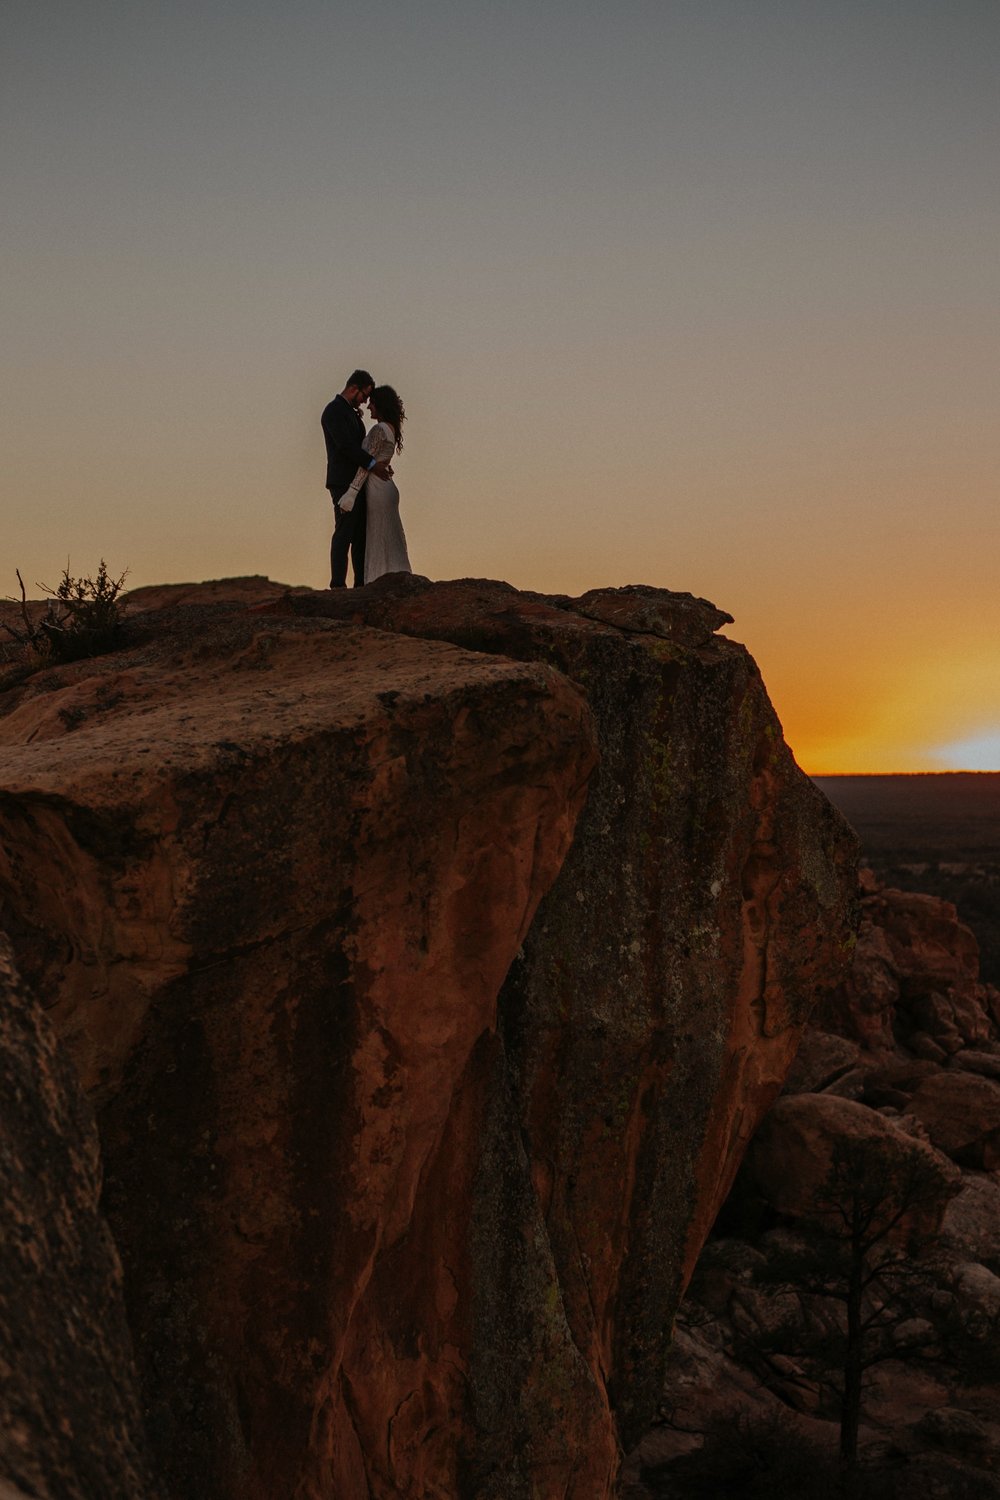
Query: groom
344, 432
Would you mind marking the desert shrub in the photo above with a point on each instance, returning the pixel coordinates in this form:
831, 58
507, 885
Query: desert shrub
84, 618
88, 616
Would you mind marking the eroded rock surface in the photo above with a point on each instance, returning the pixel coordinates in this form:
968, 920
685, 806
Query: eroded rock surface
408, 1179
665, 983
70, 1427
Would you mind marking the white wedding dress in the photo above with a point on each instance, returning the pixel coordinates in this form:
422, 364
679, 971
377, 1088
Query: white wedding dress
385, 542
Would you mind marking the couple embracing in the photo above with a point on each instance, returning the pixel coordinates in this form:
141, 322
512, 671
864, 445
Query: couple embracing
359, 478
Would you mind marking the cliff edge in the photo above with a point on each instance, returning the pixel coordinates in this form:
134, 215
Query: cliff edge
430, 953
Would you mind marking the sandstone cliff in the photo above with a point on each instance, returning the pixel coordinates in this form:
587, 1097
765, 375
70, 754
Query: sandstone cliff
407, 1171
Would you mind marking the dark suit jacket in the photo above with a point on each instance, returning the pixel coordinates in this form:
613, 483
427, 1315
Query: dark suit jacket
344, 432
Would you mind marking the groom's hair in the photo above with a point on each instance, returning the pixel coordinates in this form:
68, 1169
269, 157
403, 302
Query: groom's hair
359, 378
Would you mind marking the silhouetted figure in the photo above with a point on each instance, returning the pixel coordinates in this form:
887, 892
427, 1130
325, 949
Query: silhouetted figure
344, 432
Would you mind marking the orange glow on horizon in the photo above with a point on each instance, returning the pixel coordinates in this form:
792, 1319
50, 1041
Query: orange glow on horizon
904, 716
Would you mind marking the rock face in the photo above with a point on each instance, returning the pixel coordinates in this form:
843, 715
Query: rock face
70, 1427
407, 1178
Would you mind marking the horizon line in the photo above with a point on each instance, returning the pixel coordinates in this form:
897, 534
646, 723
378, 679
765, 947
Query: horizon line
954, 771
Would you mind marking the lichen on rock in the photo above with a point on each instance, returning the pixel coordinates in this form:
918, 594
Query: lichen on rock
70, 1423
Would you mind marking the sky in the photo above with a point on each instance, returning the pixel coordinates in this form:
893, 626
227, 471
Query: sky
703, 294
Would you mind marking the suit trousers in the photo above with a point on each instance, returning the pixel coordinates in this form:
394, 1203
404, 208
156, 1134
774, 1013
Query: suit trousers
348, 538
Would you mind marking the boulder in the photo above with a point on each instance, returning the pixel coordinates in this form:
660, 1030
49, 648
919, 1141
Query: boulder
637, 607
930, 947
892, 1083
913, 1334
971, 1224
957, 1430
961, 1112
821, 1060
985, 1063
954, 1020
915, 976
790, 1160
977, 1290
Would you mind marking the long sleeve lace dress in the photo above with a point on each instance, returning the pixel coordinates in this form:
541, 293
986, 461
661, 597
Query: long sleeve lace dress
385, 541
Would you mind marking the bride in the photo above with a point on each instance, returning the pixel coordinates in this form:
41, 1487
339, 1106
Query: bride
385, 543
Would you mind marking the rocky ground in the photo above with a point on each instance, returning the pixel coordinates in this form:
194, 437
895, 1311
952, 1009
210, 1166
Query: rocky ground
905, 1056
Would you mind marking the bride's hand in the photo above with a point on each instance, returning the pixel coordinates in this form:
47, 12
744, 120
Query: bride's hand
382, 471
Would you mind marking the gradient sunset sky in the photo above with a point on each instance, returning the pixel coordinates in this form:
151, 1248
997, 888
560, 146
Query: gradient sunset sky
703, 294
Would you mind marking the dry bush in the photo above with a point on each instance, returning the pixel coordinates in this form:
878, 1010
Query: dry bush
84, 618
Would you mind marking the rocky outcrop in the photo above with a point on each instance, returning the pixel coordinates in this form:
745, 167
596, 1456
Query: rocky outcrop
408, 1171
906, 1067
70, 1427
915, 979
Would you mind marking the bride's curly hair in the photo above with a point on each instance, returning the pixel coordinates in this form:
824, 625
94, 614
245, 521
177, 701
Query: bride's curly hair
389, 408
